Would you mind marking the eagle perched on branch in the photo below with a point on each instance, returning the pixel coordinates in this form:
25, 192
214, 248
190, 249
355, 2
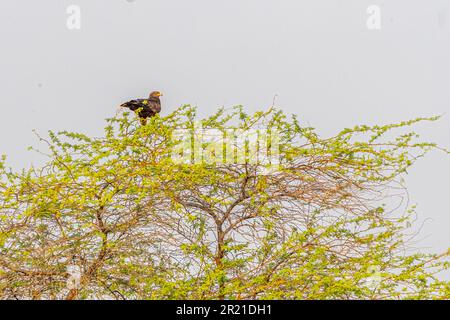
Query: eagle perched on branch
145, 108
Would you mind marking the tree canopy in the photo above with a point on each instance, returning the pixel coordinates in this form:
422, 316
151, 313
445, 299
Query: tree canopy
121, 217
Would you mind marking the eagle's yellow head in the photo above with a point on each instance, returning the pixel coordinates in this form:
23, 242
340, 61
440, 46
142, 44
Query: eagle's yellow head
155, 94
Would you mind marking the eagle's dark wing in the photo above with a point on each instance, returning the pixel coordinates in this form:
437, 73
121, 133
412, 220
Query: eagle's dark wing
145, 108
134, 105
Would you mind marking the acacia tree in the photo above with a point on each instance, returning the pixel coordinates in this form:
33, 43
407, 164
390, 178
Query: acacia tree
137, 224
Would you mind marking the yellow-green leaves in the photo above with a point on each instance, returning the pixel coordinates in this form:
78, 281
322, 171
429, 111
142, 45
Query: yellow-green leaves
141, 225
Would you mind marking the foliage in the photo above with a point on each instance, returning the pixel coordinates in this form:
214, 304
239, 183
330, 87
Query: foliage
141, 226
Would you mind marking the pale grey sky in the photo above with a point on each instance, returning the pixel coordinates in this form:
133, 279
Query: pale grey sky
317, 55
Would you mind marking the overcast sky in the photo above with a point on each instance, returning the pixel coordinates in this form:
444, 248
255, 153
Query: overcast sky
318, 55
